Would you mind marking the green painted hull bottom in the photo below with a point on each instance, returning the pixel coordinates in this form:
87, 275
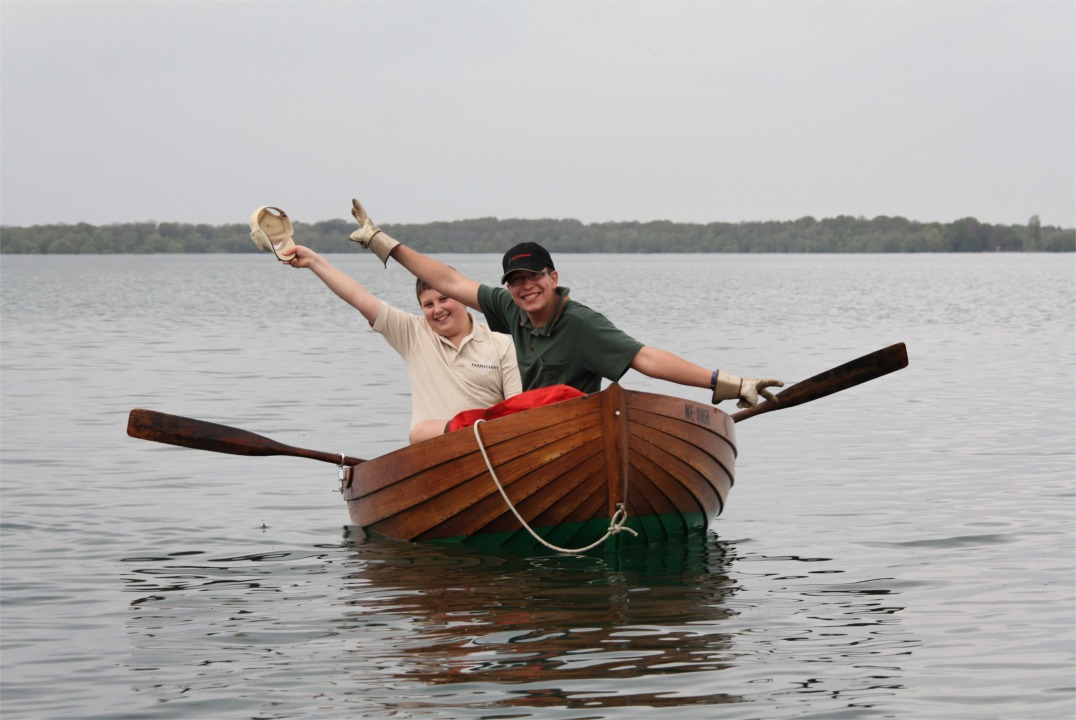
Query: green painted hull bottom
572, 536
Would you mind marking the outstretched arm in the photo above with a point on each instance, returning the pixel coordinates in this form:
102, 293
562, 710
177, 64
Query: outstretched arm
346, 287
664, 365
434, 273
439, 276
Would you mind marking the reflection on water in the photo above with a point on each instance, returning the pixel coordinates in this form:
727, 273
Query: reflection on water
593, 634
508, 619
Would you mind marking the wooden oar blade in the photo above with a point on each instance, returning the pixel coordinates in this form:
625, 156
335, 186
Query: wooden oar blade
201, 435
858, 371
198, 434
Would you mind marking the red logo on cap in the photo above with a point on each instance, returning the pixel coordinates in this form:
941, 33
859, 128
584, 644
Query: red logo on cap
517, 257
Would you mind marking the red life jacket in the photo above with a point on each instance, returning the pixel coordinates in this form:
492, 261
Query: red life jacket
517, 403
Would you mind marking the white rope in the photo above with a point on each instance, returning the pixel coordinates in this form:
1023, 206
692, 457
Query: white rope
340, 473
616, 523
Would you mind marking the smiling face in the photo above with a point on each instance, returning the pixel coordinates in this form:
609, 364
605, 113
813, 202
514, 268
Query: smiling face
447, 317
535, 293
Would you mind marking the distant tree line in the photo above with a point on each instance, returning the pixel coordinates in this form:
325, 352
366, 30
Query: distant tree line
843, 234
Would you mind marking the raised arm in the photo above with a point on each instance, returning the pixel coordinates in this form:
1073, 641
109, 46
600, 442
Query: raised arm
346, 287
664, 365
439, 276
434, 273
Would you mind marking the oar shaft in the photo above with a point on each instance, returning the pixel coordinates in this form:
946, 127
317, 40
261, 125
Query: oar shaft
200, 435
876, 364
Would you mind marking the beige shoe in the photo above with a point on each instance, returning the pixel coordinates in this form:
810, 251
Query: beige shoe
271, 231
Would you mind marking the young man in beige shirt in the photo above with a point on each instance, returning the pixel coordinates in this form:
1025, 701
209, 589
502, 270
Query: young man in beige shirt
453, 362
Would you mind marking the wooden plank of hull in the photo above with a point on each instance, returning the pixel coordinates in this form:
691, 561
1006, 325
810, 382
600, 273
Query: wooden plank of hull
456, 484
681, 464
558, 499
565, 467
527, 458
696, 437
679, 467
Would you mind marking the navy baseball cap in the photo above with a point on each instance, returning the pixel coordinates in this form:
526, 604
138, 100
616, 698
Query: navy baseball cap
526, 256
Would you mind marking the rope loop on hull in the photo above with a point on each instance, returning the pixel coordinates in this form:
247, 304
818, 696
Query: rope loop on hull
616, 523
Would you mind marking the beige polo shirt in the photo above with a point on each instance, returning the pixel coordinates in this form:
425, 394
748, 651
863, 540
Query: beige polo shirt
445, 379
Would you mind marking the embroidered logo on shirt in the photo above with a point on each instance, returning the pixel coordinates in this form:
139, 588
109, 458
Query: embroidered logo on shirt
483, 366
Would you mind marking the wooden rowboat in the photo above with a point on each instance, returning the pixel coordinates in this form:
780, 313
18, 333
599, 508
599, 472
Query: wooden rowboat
615, 467
663, 464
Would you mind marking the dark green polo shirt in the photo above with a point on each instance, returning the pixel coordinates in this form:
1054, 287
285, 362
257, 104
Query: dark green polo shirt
578, 347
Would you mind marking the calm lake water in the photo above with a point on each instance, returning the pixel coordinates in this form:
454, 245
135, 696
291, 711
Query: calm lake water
902, 549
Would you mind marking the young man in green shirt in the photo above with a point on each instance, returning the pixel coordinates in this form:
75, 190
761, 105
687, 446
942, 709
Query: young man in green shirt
558, 341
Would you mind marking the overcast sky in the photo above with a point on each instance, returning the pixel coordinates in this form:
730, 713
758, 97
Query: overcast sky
199, 112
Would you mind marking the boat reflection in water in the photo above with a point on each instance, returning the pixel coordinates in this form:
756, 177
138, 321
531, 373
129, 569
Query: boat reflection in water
370, 627
568, 631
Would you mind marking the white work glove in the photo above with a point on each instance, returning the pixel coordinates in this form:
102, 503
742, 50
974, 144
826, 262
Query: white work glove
729, 387
370, 236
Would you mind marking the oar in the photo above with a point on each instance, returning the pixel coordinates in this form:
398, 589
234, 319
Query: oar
185, 432
875, 365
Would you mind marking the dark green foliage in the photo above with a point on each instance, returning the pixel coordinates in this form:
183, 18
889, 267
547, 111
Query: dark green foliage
842, 234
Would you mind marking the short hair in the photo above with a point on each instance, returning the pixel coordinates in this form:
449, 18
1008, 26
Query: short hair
421, 287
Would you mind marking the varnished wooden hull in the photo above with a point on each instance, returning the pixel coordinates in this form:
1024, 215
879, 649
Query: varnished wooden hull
565, 467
